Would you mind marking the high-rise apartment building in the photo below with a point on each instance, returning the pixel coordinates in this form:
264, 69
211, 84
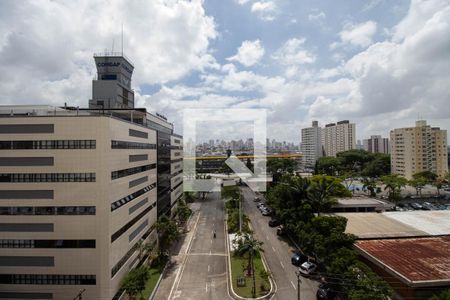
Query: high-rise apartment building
79, 188
338, 137
311, 145
377, 144
417, 149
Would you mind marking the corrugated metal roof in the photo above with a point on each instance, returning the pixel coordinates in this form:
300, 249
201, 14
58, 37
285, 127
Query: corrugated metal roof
415, 259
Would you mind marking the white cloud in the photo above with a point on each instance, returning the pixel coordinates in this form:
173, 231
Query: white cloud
293, 53
44, 54
266, 10
315, 17
249, 53
357, 34
242, 2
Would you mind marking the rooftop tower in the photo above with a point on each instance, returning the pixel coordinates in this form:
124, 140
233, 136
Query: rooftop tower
112, 88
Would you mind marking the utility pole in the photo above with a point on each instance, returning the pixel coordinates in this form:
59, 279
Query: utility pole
298, 284
80, 295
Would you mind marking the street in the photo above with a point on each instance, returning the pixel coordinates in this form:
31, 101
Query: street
278, 254
200, 270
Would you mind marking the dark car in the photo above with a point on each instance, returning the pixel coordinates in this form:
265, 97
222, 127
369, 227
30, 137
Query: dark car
298, 259
281, 230
416, 206
266, 212
274, 222
325, 292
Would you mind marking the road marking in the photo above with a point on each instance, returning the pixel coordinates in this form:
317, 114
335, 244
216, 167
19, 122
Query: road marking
183, 263
293, 285
273, 249
206, 287
210, 252
209, 267
282, 265
267, 237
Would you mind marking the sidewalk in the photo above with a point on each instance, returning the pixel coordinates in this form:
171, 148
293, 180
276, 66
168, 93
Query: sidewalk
177, 254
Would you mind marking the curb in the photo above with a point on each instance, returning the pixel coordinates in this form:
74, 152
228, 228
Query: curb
155, 289
230, 279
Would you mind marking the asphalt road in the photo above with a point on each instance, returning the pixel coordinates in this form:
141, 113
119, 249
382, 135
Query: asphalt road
278, 255
202, 271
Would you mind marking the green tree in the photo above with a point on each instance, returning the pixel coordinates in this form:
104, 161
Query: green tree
379, 165
189, 197
143, 248
394, 184
167, 232
328, 165
280, 166
321, 192
183, 212
249, 246
444, 295
353, 160
367, 285
134, 282
427, 175
418, 183
370, 184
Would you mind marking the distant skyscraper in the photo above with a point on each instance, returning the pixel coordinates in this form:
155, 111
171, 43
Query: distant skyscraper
377, 144
311, 145
338, 137
417, 149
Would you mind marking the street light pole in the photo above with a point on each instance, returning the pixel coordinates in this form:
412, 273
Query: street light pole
298, 284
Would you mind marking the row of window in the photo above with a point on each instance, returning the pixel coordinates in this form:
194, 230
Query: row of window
130, 252
47, 210
48, 144
51, 279
115, 205
47, 177
127, 226
131, 171
47, 243
131, 145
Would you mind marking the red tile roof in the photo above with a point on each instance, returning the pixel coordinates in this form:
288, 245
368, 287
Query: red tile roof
416, 259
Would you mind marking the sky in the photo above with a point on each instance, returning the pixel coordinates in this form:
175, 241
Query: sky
381, 64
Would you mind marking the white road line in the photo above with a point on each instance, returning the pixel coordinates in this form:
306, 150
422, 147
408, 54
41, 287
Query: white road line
209, 267
293, 285
176, 283
273, 249
282, 265
267, 237
206, 287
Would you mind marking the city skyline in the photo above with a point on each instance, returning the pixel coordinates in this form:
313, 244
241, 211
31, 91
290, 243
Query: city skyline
301, 61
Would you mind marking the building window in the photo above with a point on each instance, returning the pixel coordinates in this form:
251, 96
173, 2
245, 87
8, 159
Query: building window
47, 243
131, 171
131, 145
48, 144
46, 210
127, 226
47, 177
117, 204
47, 279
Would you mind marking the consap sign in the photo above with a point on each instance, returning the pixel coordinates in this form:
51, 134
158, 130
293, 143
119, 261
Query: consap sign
113, 64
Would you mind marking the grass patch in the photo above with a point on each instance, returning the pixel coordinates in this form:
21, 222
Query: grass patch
237, 270
154, 272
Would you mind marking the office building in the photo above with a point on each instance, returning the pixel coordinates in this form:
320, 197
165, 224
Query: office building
79, 188
311, 145
338, 137
417, 149
377, 144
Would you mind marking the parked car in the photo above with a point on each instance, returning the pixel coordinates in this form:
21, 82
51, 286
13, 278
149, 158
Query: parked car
281, 230
307, 268
298, 259
267, 212
416, 206
274, 222
326, 292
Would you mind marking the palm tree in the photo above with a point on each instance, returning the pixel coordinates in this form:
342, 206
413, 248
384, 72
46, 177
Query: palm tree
167, 232
248, 245
143, 248
394, 184
371, 185
320, 193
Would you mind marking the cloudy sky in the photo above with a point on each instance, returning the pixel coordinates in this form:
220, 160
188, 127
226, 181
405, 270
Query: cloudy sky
379, 63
